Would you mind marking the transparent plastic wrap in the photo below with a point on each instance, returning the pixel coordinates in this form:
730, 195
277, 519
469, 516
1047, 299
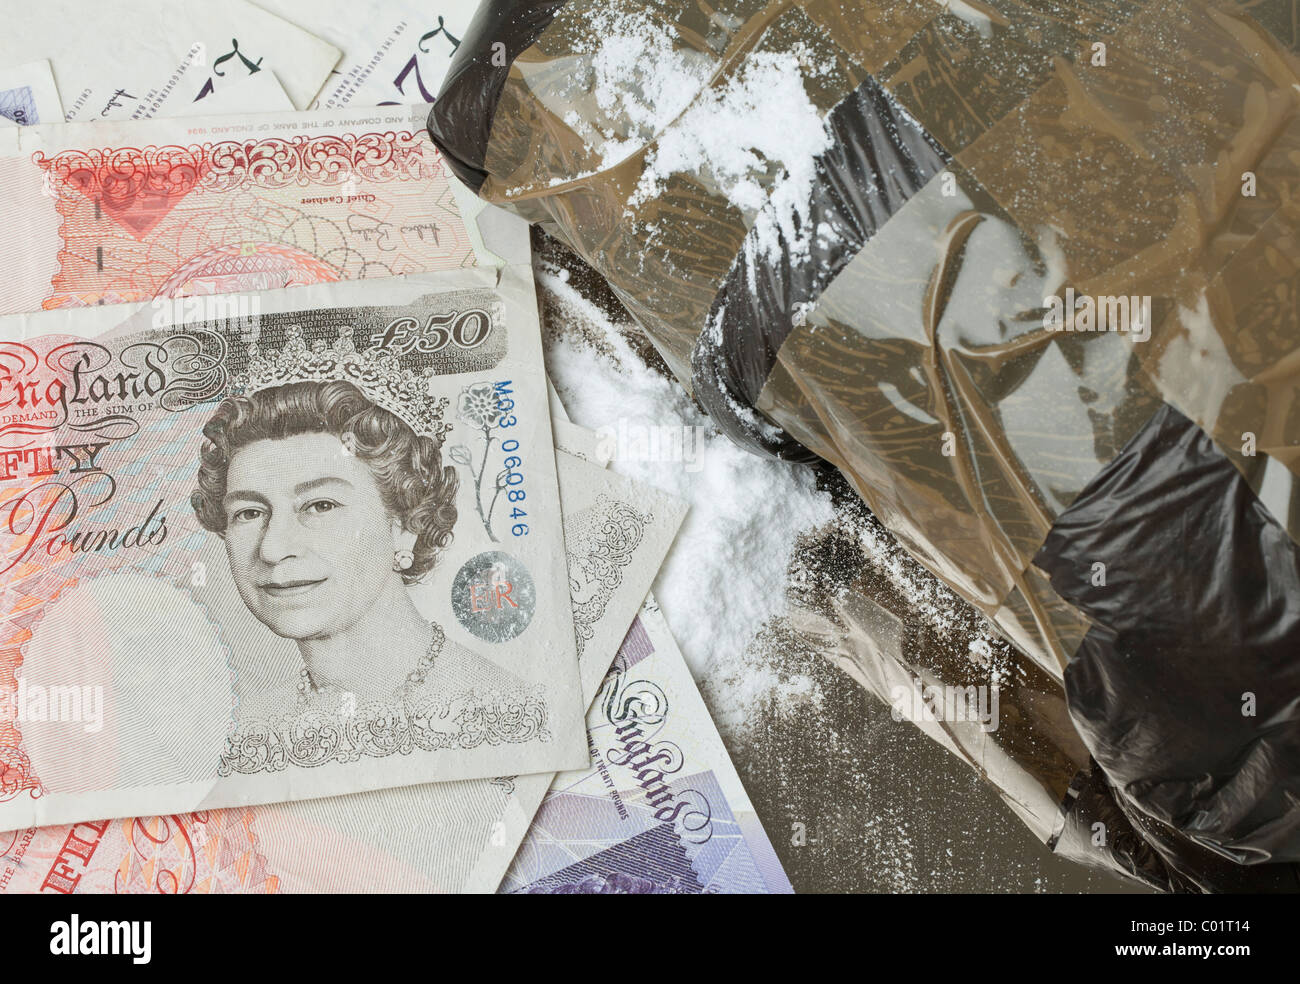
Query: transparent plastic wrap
981, 256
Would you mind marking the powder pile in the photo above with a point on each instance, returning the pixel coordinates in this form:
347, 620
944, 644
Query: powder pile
726, 573
742, 542
852, 800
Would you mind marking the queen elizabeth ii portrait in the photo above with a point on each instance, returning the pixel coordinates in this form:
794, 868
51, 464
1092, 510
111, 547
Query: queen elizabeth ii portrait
330, 507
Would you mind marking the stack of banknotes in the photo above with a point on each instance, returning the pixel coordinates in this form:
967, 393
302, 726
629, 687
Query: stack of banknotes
308, 583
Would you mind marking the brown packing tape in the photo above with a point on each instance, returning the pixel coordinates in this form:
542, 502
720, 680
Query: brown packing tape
916, 374
1281, 18
1232, 362
1138, 162
960, 74
1233, 112
666, 259
998, 496
871, 31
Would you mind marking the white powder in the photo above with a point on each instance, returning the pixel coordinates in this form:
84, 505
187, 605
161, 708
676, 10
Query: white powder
736, 136
755, 139
726, 574
640, 76
933, 601
745, 695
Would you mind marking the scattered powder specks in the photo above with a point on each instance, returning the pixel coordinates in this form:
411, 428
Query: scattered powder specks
760, 684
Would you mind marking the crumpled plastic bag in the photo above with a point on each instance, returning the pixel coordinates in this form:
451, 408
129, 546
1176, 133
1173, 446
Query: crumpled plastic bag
1027, 273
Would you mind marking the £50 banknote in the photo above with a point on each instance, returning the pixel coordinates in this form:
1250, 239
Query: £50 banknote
305, 547
119, 212
444, 837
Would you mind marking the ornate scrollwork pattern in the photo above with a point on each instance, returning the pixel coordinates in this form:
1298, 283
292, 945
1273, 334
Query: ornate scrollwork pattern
16, 775
427, 723
603, 540
120, 175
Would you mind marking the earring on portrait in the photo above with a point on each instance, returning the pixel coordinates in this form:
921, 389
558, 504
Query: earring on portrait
403, 559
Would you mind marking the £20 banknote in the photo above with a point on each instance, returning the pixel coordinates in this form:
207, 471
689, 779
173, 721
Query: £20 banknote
660, 809
28, 95
135, 59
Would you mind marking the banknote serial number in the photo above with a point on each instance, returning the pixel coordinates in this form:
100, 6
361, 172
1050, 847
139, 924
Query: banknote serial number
464, 329
513, 474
